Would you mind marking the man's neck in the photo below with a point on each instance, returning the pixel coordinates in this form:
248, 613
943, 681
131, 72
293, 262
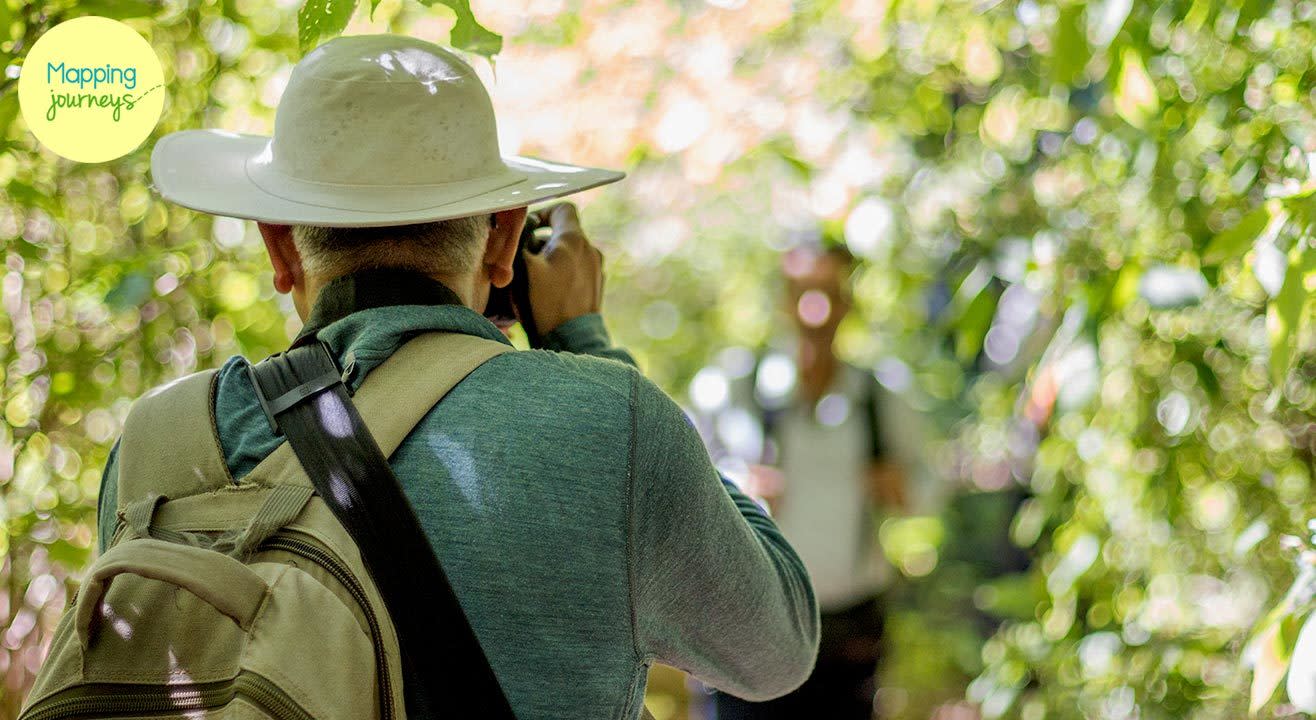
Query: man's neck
362, 290
462, 286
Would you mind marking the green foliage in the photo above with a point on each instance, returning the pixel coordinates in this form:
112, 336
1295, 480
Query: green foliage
1093, 265
118, 9
1157, 146
468, 34
319, 20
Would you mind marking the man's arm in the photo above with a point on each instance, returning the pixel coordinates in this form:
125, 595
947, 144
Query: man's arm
586, 335
566, 288
716, 589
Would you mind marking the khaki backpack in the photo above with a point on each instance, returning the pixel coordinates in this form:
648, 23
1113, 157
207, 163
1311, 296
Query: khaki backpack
238, 600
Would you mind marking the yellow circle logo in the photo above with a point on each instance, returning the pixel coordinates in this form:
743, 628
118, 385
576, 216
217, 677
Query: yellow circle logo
91, 89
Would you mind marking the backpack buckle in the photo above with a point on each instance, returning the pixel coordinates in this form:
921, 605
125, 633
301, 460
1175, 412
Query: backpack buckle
277, 368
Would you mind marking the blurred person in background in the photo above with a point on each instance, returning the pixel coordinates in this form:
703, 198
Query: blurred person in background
819, 459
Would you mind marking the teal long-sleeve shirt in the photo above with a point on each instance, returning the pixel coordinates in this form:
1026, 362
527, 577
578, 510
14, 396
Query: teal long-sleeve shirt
578, 517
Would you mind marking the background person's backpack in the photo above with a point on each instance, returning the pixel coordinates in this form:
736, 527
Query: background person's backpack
250, 599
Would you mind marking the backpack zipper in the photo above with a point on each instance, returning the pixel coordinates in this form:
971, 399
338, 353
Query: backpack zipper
108, 700
286, 541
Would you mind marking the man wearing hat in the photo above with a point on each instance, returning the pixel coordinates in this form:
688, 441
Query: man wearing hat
572, 505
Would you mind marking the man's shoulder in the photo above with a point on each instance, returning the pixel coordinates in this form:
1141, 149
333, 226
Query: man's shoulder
544, 368
536, 413
569, 382
590, 367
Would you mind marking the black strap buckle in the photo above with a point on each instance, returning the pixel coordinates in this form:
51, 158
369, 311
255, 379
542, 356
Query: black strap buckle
298, 394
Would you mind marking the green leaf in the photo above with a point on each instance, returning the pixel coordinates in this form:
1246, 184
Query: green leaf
1301, 649
1206, 378
1071, 45
1199, 14
1285, 314
1237, 240
468, 34
1301, 209
1274, 651
322, 18
1135, 94
1249, 10
1125, 288
974, 323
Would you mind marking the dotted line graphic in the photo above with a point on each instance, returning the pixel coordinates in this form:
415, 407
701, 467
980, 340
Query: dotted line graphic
148, 92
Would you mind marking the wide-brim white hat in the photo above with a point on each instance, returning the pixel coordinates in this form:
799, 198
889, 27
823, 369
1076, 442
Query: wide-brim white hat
371, 130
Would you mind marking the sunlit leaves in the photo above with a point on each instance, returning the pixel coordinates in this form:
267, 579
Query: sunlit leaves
1147, 201
319, 19
1107, 19
6, 28
972, 325
467, 33
1273, 651
1103, 195
1070, 53
912, 543
980, 59
1135, 93
1290, 311
1238, 239
1301, 685
119, 9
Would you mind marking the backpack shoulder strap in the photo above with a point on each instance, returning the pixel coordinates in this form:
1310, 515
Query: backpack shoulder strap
169, 445
398, 394
304, 397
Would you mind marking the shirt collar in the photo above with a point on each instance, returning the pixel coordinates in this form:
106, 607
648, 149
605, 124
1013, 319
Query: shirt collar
365, 317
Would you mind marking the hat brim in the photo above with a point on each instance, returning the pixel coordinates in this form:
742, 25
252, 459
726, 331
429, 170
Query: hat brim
208, 171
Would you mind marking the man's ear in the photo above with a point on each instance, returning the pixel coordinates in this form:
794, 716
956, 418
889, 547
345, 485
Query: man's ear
284, 257
500, 252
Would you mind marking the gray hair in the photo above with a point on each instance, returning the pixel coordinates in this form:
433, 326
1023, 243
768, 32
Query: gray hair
434, 248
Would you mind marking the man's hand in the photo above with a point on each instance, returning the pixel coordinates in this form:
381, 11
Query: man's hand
566, 277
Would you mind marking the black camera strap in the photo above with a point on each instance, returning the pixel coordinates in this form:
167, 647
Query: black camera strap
446, 673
